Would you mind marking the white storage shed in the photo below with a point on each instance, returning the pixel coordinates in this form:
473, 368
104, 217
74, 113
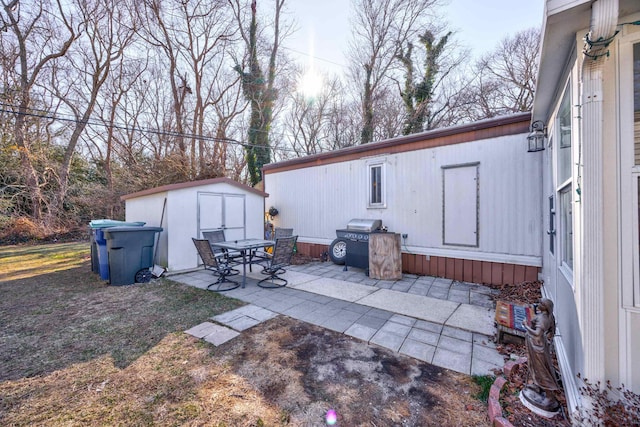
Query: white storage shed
187, 209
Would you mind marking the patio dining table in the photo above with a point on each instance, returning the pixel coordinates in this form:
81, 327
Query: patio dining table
245, 247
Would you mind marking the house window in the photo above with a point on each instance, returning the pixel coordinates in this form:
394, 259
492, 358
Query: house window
636, 171
636, 103
563, 125
376, 185
562, 207
636, 238
629, 190
566, 226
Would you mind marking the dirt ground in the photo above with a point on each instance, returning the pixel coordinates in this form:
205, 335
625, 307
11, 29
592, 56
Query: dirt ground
307, 370
75, 351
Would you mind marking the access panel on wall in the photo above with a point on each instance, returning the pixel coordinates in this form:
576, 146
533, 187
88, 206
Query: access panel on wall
460, 194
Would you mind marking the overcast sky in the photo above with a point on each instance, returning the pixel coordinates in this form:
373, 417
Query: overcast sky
479, 24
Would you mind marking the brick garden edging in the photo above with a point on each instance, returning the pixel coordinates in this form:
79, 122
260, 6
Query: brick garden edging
493, 403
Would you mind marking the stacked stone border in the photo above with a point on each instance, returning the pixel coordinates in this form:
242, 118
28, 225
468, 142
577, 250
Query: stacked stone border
493, 403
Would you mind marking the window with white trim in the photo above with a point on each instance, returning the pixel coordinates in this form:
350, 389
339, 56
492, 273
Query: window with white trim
564, 183
566, 225
376, 182
635, 173
563, 125
629, 190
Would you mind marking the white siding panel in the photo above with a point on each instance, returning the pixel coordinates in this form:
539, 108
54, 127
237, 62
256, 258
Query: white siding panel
317, 200
149, 210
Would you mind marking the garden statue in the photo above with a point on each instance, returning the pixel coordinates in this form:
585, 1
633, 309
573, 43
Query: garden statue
540, 395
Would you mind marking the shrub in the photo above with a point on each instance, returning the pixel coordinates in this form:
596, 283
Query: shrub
20, 230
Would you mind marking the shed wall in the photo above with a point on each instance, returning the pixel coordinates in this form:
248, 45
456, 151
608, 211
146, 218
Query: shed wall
176, 251
149, 210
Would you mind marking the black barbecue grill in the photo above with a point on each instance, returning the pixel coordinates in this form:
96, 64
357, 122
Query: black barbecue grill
351, 247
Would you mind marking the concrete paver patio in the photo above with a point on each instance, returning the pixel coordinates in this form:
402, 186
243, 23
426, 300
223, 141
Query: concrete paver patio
439, 321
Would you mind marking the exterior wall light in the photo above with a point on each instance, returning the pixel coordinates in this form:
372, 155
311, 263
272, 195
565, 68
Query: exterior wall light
273, 212
537, 136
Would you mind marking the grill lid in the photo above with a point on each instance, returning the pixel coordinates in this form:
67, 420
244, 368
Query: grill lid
367, 225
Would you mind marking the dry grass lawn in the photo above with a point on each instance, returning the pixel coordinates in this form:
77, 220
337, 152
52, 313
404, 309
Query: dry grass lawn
76, 351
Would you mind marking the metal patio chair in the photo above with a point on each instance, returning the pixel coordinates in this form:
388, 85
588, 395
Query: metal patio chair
275, 234
218, 265
216, 236
281, 257
282, 232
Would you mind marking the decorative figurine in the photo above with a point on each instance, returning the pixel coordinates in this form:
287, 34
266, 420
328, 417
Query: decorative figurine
540, 396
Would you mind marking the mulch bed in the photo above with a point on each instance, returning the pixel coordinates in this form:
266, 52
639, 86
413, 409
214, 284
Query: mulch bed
523, 294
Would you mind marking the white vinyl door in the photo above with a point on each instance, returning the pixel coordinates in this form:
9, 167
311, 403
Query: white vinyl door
222, 211
234, 216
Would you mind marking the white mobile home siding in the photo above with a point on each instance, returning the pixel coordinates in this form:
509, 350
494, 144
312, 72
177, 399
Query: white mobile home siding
317, 200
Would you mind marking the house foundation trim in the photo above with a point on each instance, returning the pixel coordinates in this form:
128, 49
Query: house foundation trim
464, 270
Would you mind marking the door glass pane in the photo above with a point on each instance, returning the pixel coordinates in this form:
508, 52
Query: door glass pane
566, 212
636, 102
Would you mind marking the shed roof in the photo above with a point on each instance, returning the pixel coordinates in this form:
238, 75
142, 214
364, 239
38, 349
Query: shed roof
190, 184
483, 129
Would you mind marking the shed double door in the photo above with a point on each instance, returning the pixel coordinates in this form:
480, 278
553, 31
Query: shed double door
226, 211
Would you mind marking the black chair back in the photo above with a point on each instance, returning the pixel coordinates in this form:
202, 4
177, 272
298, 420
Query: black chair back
282, 232
283, 251
206, 253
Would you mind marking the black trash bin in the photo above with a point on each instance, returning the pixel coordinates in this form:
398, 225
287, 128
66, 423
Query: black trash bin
99, 256
130, 251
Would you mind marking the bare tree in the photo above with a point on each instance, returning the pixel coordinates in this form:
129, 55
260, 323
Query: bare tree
507, 76
33, 27
108, 33
229, 107
309, 116
380, 28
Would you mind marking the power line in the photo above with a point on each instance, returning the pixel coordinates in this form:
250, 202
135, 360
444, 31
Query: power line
48, 115
314, 57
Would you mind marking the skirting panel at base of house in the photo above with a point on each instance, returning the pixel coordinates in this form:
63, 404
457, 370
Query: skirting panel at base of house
464, 270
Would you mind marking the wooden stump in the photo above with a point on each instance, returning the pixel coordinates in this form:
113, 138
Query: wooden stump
385, 260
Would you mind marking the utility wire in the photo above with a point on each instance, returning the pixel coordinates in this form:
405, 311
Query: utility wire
313, 56
48, 115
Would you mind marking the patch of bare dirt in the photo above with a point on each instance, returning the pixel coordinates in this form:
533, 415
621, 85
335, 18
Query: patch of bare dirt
307, 370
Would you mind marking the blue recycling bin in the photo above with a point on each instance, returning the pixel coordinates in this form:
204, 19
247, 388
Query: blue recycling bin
99, 256
130, 252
